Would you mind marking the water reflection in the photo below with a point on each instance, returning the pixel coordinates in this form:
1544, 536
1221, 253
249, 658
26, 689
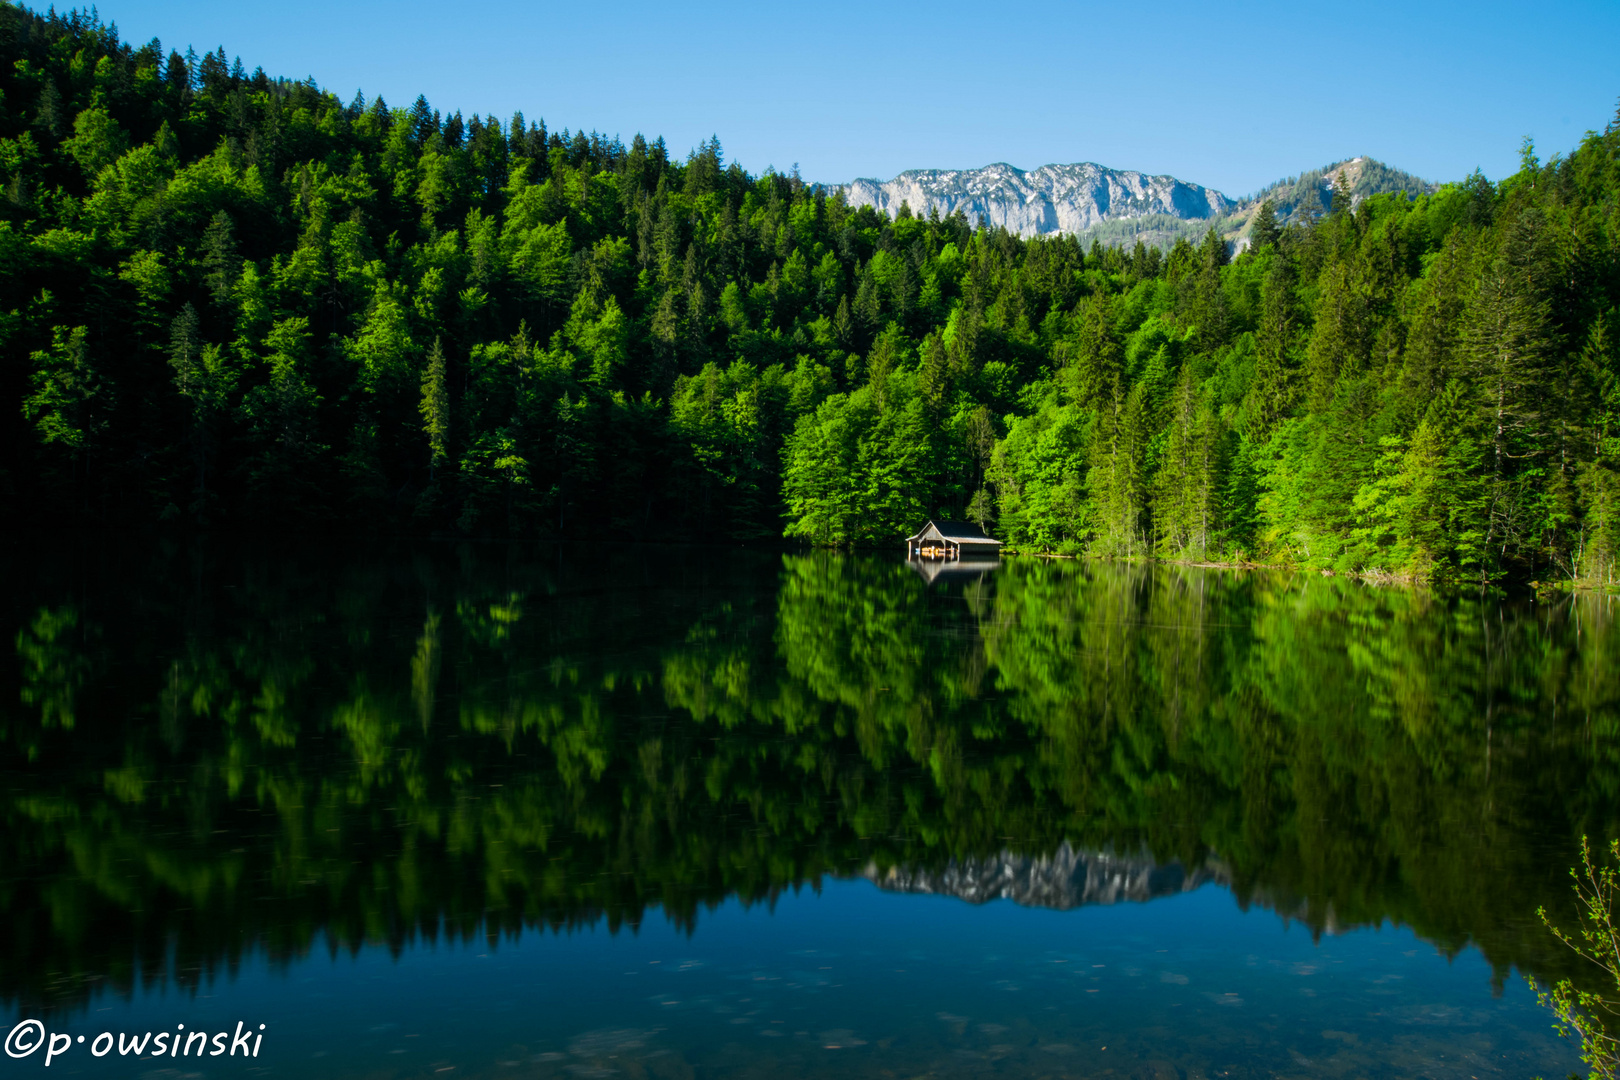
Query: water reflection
965, 570
1064, 879
208, 752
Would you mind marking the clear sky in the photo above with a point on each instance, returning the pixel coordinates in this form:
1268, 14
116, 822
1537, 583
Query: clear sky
1231, 96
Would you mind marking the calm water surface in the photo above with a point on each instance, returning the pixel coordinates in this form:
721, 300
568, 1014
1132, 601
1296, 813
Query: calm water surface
661, 812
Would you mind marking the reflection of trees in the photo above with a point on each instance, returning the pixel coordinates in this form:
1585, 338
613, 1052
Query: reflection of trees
471, 742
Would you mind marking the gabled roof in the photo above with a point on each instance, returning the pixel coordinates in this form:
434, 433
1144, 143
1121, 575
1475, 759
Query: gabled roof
961, 532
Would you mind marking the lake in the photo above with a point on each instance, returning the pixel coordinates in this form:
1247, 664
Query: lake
535, 811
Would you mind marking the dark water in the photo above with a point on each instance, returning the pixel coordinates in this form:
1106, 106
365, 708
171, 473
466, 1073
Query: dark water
661, 812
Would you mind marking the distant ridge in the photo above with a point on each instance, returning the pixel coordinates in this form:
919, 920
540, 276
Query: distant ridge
1050, 199
1116, 205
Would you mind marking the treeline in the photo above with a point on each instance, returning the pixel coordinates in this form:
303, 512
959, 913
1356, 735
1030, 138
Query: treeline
475, 739
233, 299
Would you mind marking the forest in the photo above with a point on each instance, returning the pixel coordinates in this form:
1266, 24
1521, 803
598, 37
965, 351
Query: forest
236, 301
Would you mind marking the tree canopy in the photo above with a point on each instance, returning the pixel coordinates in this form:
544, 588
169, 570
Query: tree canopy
236, 299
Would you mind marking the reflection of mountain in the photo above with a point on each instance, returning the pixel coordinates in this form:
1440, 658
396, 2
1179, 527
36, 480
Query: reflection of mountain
1065, 879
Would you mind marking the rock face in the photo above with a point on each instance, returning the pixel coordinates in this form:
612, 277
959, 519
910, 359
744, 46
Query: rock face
1065, 879
1119, 206
1050, 199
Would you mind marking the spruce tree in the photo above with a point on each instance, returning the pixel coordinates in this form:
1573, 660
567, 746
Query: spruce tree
221, 264
1510, 343
1096, 370
435, 409
1188, 484
1273, 392
1264, 231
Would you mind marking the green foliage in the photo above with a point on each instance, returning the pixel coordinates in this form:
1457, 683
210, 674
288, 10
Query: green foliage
436, 407
1587, 1013
97, 140
66, 391
623, 343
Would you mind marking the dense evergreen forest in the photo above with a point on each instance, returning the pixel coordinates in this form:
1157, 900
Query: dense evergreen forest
236, 300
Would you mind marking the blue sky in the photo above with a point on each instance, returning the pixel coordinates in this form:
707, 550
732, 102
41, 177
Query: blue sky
1230, 97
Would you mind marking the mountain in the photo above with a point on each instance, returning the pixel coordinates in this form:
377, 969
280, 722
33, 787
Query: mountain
1364, 175
1050, 199
1115, 205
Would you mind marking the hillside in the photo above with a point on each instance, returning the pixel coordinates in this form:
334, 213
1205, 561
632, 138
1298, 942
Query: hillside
240, 301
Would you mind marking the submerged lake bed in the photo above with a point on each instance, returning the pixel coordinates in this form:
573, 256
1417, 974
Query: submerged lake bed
544, 811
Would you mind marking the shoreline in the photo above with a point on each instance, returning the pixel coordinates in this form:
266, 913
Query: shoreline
1375, 577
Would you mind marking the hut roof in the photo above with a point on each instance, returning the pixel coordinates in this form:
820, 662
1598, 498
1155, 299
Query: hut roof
961, 532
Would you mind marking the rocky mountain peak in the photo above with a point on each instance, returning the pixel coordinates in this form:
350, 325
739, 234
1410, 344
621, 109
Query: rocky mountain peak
1113, 205
1050, 199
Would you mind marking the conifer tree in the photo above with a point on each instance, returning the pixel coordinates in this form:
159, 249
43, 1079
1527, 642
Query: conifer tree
65, 406
1274, 390
1188, 484
204, 377
1096, 371
1116, 483
1509, 343
435, 410
221, 264
1264, 231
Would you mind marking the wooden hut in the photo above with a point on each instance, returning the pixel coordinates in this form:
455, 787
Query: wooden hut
940, 539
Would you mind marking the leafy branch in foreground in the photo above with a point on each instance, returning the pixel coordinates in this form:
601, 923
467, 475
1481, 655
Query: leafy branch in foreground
1584, 1012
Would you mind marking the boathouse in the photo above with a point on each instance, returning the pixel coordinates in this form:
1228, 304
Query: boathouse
951, 540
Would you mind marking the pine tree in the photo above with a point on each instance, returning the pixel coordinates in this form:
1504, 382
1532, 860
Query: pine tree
1510, 344
204, 377
1338, 346
885, 358
981, 509
1273, 392
1309, 208
221, 263
1116, 486
435, 409
1209, 311
1340, 200
1189, 481
1096, 369
1597, 549
934, 374
66, 404
1439, 510
290, 399
281, 414
1264, 231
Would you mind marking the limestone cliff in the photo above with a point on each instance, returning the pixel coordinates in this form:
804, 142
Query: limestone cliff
1115, 205
1052, 198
